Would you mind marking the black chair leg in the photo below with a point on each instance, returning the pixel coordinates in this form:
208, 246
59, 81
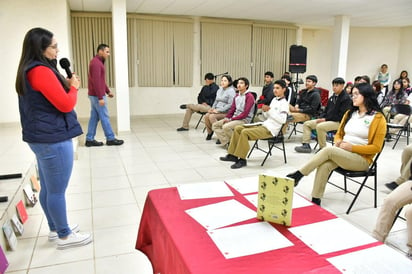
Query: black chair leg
356, 195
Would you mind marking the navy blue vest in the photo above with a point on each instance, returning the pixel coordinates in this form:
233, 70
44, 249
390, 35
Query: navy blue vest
42, 122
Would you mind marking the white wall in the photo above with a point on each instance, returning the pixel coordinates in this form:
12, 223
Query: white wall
368, 49
16, 18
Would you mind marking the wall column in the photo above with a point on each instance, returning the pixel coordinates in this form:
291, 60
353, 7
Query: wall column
121, 72
340, 46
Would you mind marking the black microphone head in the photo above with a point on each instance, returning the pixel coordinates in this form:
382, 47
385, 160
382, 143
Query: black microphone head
64, 63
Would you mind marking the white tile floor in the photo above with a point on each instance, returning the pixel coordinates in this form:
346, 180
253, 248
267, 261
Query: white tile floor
109, 185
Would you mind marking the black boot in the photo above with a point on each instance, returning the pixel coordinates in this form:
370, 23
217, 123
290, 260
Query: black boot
209, 136
240, 163
296, 176
316, 201
183, 107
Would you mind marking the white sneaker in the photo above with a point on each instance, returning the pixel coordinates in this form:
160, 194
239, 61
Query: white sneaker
73, 240
53, 234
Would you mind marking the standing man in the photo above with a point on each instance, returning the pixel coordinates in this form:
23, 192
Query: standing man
205, 101
337, 105
97, 95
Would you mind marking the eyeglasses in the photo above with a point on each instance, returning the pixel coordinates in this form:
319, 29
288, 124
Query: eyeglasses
53, 46
355, 95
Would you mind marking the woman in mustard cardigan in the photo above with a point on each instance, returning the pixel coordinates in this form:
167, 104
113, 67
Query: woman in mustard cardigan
359, 138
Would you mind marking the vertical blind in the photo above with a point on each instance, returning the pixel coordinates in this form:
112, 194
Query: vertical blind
270, 51
226, 47
88, 31
160, 48
161, 52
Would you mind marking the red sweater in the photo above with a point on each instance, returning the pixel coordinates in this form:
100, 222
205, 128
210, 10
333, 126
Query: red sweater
44, 80
97, 78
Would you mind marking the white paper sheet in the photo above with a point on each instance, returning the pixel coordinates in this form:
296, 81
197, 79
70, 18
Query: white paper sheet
330, 236
248, 239
253, 199
221, 214
204, 190
245, 185
379, 259
298, 201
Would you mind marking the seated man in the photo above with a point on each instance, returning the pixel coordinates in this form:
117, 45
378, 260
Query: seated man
239, 113
205, 100
267, 95
406, 162
275, 115
337, 105
308, 102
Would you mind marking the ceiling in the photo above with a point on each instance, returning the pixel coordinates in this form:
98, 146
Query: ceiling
362, 13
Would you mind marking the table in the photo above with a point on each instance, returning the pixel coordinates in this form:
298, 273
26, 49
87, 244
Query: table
177, 244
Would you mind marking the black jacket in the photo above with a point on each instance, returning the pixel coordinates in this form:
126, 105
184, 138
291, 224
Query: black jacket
207, 94
337, 106
309, 101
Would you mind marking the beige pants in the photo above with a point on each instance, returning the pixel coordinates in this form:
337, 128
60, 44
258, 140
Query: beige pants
192, 108
239, 143
326, 160
406, 161
398, 198
211, 118
297, 117
321, 129
224, 130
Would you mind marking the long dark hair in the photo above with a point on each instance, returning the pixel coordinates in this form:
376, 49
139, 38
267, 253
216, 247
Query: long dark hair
400, 93
35, 43
369, 100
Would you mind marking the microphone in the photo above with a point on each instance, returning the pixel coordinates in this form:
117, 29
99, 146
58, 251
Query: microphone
221, 74
65, 64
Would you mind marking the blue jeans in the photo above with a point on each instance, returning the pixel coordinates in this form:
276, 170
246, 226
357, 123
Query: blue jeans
55, 163
97, 113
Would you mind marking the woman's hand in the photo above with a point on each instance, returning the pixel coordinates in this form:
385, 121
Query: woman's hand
74, 81
346, 146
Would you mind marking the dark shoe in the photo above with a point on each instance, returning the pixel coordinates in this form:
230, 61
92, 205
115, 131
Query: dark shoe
391, 185
240, 163
93, 143
296, 176
182, 106
114, 142
218, 142
182, 129
304, 148
229, 158
209, 136
316, 201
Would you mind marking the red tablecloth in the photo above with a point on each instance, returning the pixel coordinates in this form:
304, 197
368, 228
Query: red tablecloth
176, 244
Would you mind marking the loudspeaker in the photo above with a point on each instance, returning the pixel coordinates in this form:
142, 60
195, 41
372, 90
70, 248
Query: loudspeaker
297, 59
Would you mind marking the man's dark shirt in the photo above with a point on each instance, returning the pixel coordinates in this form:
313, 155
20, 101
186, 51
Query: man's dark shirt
207, 94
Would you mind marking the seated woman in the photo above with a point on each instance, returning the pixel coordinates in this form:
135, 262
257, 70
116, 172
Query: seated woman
397, 199
395, 96
223, 101
240, 112
359, 138
275, 115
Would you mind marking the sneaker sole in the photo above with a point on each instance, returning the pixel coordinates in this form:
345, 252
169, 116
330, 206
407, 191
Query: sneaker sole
73, 229
85, 241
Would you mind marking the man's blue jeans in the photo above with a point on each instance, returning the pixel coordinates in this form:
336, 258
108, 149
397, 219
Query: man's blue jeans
97, 113
55, 164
